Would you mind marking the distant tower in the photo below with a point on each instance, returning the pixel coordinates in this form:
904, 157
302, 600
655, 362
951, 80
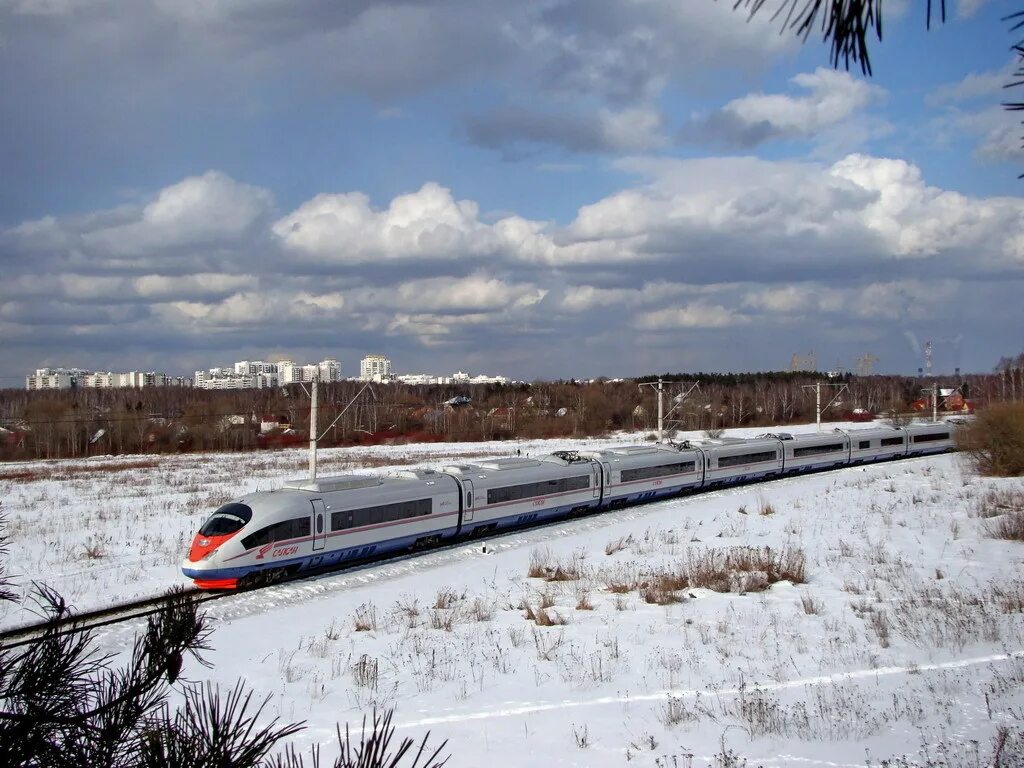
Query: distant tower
807, 362
866, 364
928, 358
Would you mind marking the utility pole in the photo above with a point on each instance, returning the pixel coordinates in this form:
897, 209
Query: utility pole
312, 426
313, 412
677, 401
818, 410
661, 418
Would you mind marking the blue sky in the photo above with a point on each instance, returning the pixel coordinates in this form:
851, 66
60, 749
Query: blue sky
542, 189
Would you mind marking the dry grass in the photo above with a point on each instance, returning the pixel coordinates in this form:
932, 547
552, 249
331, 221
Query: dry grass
447, 598
1009, 527
540, 563
544, 565
744, 569
365, 619
999, 502
618, 545
662, 588
811, 606
731, 569
66, 471
543, 617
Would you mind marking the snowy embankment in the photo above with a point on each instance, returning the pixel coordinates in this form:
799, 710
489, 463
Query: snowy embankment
905, 637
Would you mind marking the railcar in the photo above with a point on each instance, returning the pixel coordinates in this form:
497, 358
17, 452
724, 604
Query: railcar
934, 437
636, 473
735, 460
518, 491
311, 524
877, 444
814, 451
308, 524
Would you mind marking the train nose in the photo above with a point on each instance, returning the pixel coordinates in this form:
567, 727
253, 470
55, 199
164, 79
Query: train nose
204, 546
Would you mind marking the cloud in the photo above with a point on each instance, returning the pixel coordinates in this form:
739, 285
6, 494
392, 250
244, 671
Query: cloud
515, 130
967, 8
693, 251
974, 85
834, 98
426, 224
197, 212
689, 316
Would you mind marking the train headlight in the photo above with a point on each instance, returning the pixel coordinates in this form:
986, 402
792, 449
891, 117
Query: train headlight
209, 554
203, 542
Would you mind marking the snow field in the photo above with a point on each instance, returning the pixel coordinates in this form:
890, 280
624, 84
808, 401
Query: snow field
904, 639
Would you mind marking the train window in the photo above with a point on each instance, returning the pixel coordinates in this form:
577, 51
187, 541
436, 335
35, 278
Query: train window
542, 488
647, 473
469, 499
746, 458
287, 529
864, 444
319, 523
886, 441
930, 438
812, 450
228, 519
384, 513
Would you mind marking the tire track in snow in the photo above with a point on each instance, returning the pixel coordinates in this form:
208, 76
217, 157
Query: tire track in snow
529, 708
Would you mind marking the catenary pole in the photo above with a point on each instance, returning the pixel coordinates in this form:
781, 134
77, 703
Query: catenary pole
312, 427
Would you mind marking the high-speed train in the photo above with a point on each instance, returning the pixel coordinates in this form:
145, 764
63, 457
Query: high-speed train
310, 524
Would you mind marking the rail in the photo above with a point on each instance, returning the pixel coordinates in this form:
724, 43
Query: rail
88, 620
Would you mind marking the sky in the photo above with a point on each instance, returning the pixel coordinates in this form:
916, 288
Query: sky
552, 189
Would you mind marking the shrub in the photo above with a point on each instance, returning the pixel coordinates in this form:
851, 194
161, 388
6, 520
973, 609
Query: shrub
994, 441
1009, 526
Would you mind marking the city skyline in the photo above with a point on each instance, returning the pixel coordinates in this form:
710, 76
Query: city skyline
558, 189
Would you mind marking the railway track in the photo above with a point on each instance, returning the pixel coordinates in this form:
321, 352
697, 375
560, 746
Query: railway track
88, 620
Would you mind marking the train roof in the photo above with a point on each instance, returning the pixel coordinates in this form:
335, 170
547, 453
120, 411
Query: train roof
492, 465
334, 483
355, 482
637, 450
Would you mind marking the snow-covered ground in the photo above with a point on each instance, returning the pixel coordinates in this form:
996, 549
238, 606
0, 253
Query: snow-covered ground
906, 637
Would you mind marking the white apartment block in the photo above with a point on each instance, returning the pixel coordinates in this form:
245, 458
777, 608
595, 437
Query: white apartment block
375, 368
460, 377
456, 378
215, 378
55, 378
327, 370
65, 378
422, 378
255, 367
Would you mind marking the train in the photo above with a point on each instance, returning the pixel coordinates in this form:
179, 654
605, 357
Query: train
327, 522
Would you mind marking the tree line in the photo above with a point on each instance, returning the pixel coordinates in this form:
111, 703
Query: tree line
83, 422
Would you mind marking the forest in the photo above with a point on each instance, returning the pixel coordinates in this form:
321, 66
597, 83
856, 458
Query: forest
84, 422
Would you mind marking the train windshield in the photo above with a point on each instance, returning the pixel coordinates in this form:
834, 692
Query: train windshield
227, 519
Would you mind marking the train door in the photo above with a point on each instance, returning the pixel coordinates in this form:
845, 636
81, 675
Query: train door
606, 486
595, 476
468, 501
319, 524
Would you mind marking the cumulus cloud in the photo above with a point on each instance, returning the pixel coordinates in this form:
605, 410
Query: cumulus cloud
833, 97
693, 248
197, 212
426, 224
